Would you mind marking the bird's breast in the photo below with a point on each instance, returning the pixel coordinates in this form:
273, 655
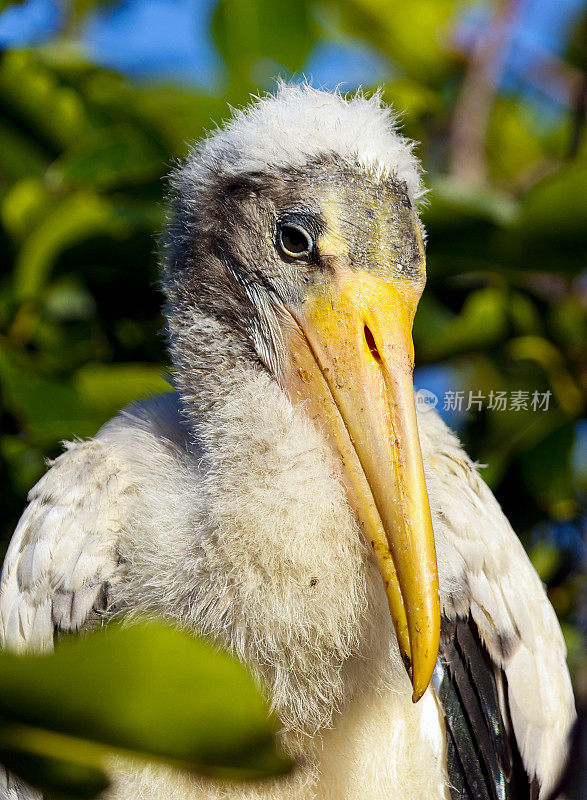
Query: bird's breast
384, 746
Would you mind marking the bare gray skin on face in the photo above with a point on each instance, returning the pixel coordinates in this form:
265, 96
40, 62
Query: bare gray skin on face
221, 254
373, 218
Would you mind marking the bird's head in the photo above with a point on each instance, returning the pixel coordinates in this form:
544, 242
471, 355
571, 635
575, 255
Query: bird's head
294, 227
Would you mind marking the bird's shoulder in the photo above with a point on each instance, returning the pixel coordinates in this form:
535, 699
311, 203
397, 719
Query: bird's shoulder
486, 575
64, 556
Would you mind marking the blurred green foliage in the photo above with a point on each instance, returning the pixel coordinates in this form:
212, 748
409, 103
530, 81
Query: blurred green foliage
145, 691
82, 155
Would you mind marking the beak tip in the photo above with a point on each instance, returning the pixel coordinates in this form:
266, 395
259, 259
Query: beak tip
419, 688
418, 694
423, 668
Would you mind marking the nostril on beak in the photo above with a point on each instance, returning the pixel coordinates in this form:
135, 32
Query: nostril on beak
371, 344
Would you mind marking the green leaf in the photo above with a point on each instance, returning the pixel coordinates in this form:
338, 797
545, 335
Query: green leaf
555, 209
543, 352
411, 98
545, 558
575, 644
568, 322
24, 204
512, 145
452, 203
25, 750
169, 115
549, 233
5, 3
53, 409
432, 319
464, 227
524, 315
50, 409
481, 323
106, 388
32, 91
20, 156
26, 464
119, 155
547, 472
146, 691
246, 31
71, 220
412, 35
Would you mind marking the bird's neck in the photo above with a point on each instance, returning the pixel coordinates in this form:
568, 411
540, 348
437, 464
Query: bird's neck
287, 578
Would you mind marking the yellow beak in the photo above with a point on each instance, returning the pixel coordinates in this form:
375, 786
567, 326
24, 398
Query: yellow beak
352, 358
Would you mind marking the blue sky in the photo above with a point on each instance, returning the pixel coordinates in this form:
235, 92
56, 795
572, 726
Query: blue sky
168, 39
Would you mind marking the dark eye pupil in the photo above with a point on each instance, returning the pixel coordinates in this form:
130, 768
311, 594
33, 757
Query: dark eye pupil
293, 240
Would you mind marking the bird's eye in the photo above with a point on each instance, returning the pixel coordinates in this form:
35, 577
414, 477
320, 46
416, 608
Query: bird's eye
294, 241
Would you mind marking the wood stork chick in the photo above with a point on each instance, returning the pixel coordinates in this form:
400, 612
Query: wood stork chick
287, 499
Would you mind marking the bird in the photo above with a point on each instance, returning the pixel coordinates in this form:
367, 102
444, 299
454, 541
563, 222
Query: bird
288, 498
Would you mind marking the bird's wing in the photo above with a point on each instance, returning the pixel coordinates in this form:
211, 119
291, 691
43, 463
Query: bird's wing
63, 560
486, 577
63, 557
483, 760
12, 788
64, 551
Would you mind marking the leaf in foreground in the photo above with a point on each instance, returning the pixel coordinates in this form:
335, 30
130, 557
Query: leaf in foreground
146, 691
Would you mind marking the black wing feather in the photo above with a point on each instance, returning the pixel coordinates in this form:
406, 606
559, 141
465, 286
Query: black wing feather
482, 672
483, 760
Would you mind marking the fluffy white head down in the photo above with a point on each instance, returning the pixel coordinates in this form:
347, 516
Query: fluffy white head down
299, 123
